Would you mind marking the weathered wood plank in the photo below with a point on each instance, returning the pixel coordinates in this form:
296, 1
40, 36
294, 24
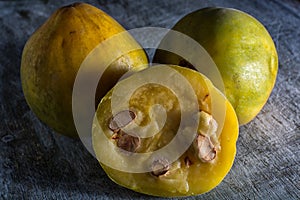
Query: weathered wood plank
36, 163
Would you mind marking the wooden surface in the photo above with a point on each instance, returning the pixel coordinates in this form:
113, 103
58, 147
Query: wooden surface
37, 163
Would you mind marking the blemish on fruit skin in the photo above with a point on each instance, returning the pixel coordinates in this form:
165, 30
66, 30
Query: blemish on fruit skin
63, 42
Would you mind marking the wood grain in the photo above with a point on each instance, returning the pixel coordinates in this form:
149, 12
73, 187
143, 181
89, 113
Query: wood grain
37, 163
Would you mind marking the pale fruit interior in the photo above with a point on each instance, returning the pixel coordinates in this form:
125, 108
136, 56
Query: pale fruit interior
182, 178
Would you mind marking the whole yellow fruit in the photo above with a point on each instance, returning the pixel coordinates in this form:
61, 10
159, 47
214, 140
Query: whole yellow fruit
53, 54
242, 49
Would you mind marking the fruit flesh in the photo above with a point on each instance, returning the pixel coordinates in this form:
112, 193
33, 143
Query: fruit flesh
188, 175
53, 54
243, 51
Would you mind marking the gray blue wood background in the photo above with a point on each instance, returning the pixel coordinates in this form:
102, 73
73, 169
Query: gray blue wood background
37, 163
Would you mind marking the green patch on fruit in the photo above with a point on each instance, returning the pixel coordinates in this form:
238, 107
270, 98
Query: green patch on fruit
242, 49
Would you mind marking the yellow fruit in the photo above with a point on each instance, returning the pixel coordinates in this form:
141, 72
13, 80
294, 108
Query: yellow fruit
53, 54
123, 149
242, 49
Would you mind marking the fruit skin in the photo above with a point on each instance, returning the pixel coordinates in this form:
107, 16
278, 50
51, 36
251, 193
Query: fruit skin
243, 51
53, 54
202, 177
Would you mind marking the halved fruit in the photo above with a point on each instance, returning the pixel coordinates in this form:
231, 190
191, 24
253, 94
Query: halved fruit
165, 131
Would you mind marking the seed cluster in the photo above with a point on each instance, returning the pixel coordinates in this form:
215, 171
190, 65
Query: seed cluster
124, 140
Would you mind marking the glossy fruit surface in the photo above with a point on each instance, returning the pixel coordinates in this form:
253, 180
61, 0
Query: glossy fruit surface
242, 49
139, 157
53, 55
